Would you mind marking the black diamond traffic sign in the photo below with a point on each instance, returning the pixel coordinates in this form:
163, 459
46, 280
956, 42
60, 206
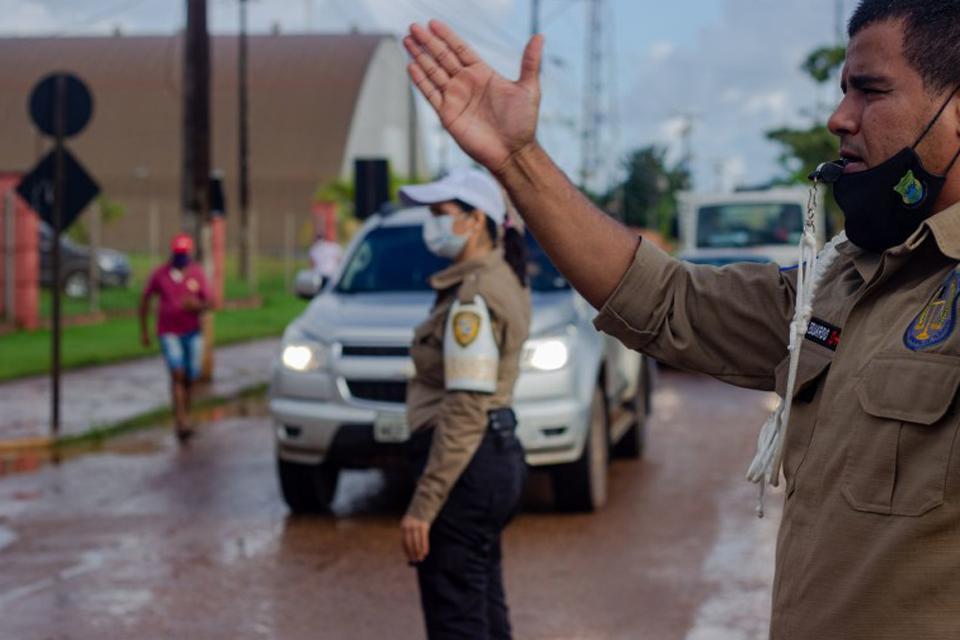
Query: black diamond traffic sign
37, 189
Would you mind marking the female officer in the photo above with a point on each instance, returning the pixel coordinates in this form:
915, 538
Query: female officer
467, 355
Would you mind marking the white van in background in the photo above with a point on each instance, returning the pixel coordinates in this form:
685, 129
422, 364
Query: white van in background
748, 226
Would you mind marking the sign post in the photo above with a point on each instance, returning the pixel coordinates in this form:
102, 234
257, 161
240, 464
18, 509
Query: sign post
58, 188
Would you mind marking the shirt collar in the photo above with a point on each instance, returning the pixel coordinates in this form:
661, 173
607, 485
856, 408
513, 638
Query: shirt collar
457, 273
945, 227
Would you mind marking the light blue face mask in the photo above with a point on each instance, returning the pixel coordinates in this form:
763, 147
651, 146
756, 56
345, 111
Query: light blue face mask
441, 239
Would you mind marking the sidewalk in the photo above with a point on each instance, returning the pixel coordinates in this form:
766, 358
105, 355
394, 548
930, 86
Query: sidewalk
107, 395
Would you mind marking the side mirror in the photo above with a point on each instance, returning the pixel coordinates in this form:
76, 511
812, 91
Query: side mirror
308, 284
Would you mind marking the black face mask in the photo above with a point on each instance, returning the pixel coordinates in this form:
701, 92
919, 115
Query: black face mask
179, 260
884, 205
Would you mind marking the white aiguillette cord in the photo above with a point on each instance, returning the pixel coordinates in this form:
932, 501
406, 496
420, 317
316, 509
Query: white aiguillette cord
765, 468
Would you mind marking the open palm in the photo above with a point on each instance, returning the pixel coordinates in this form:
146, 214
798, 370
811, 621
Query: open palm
490, 117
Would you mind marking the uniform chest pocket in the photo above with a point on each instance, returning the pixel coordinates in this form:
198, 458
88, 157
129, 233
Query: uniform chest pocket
898, 457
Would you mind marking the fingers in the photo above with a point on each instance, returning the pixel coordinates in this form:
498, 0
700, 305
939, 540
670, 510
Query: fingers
460, 49
532, 58
415, 540
427, 88
424, 543
406, 541
434, 72
437, 49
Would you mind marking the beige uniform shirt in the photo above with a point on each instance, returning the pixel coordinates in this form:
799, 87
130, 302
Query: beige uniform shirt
460, 417
869, 545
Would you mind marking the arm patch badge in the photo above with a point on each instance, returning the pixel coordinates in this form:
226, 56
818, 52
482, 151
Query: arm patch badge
937, 320
471, 357
466, 327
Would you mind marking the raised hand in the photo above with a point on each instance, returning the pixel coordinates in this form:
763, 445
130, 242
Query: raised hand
490, 117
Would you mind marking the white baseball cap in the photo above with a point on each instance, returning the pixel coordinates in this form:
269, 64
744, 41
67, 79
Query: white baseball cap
476, 188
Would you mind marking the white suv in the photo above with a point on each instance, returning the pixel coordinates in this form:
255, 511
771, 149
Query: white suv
339, 382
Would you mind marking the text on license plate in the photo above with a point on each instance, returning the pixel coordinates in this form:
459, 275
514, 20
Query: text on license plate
391, 427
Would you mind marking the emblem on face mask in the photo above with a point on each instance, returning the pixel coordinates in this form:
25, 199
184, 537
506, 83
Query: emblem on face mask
910, 189
937, 320
466, 327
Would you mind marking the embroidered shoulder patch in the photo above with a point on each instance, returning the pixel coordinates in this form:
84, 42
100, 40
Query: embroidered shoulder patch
466, 327
937, 320
823, 333
911, 190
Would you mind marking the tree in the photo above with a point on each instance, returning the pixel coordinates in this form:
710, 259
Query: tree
647, 195
804, 148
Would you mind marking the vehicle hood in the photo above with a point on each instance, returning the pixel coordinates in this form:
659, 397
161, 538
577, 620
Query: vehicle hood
390, 318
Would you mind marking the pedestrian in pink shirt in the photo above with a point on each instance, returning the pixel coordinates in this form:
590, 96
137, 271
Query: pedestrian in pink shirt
182, 289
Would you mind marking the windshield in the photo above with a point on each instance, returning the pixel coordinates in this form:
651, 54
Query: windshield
750, 224
541, 272
394, 259
390, 259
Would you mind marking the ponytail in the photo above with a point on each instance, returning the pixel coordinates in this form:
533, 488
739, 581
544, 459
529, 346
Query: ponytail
515, 253
514, 247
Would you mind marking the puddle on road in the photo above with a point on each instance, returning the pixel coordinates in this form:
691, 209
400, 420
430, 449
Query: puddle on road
140, 440
7, 538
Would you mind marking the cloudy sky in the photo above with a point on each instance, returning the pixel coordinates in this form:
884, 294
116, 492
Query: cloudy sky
729, 66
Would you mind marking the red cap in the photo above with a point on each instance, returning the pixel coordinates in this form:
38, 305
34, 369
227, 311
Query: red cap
182, 243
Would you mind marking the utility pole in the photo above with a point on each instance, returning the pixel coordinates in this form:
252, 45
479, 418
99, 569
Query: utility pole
243, 146
195, 179
592, 94
196, 154
840, 13
686, 141
534, 17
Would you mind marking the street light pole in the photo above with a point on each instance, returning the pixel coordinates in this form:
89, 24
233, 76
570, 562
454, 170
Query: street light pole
534, 17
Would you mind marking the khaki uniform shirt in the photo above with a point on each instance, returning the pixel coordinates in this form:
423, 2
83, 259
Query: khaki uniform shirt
869, 544
459, 418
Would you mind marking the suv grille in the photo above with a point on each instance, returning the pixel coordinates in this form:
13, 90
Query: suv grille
368, 351
378, 391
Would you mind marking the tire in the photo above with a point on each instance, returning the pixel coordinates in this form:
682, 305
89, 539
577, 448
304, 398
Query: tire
307, 489
633, 441
582, 485
76, 284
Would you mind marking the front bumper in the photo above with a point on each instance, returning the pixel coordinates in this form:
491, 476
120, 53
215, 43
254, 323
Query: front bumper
311, 432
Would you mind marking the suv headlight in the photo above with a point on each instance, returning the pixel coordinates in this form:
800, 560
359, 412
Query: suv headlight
303, 356
547, 354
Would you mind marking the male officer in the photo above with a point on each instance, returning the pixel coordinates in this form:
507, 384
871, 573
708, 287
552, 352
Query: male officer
869, 545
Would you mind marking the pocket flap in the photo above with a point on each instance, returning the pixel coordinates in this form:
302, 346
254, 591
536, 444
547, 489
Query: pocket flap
813, 362
916, 388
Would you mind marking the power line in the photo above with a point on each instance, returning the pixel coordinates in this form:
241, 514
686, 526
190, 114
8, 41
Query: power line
101, 15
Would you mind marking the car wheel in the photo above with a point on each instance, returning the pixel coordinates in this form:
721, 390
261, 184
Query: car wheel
307, 488
582, 485
76, 284
632, 443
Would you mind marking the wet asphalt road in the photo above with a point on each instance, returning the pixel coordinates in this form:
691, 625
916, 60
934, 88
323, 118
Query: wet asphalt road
142, 540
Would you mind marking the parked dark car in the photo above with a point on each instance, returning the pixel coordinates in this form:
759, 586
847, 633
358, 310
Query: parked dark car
113, 266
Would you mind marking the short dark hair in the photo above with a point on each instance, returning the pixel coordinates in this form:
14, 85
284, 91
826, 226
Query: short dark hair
931, 41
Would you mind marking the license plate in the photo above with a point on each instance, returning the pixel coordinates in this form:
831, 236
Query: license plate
391, 427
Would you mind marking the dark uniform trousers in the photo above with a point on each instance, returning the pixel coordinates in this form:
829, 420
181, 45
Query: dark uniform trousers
461, 583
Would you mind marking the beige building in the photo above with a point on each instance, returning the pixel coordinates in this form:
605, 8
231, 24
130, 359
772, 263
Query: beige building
317, 102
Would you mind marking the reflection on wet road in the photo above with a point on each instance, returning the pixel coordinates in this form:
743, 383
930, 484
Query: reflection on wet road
142, 540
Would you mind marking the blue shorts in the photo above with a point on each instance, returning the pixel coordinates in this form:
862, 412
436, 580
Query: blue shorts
183, 353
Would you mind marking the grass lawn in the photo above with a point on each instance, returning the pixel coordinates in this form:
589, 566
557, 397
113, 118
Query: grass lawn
118, 338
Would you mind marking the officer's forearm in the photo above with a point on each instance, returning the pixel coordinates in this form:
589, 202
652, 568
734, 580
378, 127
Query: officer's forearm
590, 248
460, 427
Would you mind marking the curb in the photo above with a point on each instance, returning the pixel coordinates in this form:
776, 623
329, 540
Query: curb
98, 433
25, 444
